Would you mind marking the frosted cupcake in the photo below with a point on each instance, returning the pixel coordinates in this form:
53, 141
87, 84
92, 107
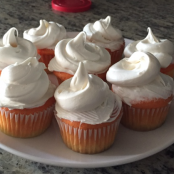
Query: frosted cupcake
26, 99
15, 49
162, 49
45, 37
69, 52
146, 93
105, 35
88, 113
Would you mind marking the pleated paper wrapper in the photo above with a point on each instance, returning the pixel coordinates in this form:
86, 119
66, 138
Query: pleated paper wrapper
86, 138
21, 125
144, 119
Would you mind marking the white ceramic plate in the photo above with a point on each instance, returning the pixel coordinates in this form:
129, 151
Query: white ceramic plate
129, 146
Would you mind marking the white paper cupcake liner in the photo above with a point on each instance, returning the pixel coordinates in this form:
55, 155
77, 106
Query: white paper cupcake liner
89, 140
20, 125
144, 119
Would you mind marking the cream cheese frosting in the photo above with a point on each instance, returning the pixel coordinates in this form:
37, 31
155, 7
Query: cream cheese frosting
15, 49
138, 78
69, 52
162, 49
86, 98
46, 35
104, 34
25, 85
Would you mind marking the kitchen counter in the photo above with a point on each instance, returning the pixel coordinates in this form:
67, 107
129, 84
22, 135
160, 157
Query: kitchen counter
132, 18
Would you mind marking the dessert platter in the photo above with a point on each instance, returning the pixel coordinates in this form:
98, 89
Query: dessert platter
129, 145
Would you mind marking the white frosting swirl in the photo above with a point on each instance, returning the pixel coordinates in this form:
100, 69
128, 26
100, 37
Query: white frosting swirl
86, 98
46, 35
15, 49
140, 69
25, 85
69, 52
104, 34
138, 78
161, 87
163, 49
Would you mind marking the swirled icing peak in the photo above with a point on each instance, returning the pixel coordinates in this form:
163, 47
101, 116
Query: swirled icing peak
150, 38
10, 38
81, 97
25, 85
15, 49
69, 52
163, 49
104, 34
138, 78
80, 79
46, 35
85, 98
141, 68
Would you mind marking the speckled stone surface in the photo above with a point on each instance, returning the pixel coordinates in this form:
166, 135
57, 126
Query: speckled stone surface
132, 18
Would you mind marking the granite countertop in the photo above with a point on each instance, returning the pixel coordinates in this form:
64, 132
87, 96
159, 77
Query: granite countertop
132, 18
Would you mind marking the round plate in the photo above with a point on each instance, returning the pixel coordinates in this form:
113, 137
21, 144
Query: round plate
129, 145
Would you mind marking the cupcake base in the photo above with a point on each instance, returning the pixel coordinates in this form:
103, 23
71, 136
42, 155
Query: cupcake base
144, 119
117, 54
46, 56
62, 76
86, 138
25, 123
169, 70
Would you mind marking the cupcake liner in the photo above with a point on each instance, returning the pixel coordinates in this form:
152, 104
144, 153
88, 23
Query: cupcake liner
144, 119
117, 54
18, 124
86, 138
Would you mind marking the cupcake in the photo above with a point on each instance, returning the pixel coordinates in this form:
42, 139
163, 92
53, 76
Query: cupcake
162, 49
26, 99
15, 49
69, 52
105, 35
45, 38
87, 112
145, 91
